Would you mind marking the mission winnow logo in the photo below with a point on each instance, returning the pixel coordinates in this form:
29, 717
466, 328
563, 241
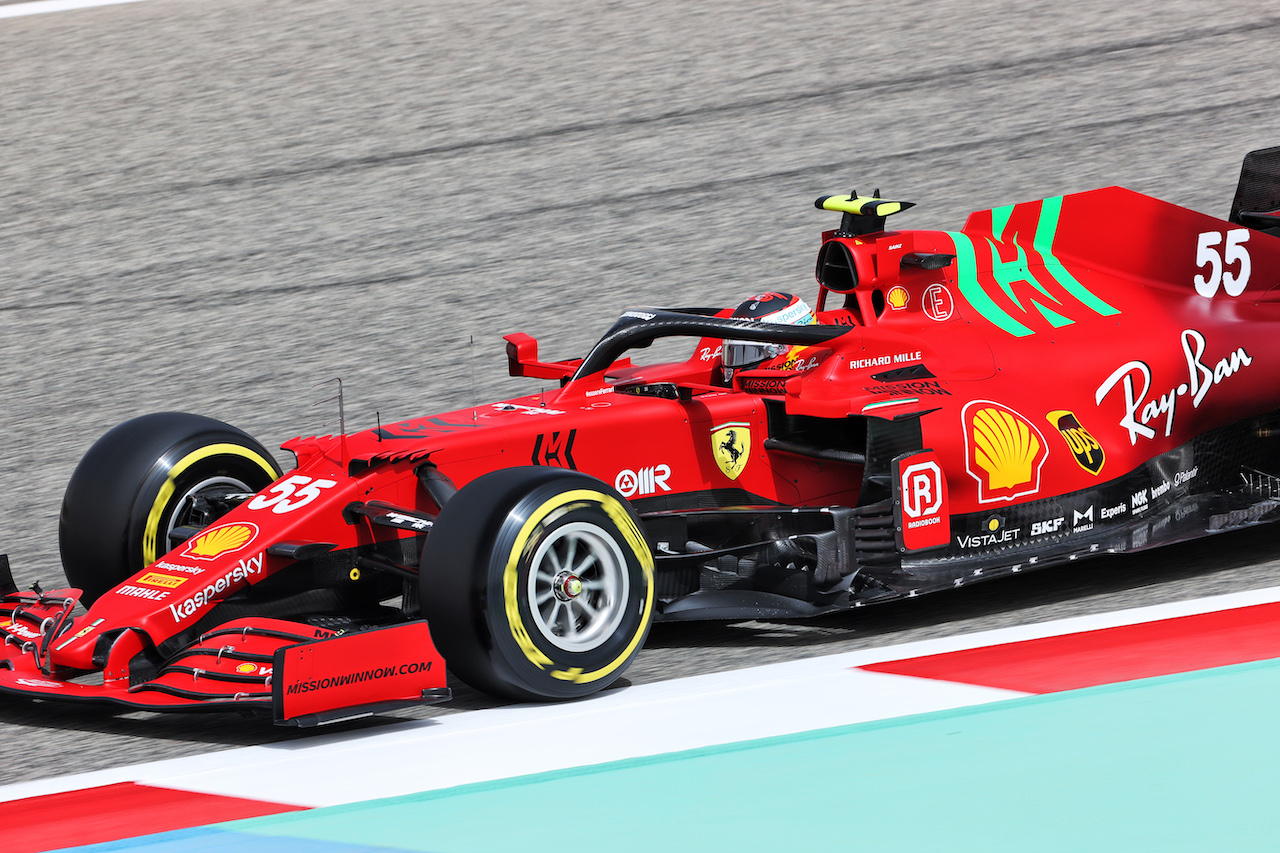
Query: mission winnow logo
357, 677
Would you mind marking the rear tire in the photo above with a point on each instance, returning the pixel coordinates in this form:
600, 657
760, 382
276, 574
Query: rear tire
138, 482
537, 584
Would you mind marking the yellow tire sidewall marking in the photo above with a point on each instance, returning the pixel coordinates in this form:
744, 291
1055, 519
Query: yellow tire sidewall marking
151, 531
510, 579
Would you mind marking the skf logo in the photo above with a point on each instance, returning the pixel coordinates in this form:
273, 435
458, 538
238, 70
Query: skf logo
1084, 446
731, 448
555, 449
897, 297
161, 580
646, 481
1004, 451
216, 541
1042, 528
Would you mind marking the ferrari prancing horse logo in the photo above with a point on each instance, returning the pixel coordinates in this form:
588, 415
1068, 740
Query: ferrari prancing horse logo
731, 447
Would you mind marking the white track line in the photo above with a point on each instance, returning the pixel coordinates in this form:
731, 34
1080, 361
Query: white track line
650, 719
41, 7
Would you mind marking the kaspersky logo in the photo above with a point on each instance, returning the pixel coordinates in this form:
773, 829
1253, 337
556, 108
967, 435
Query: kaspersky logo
1004, 451
216, 541
1023, 273
189, 607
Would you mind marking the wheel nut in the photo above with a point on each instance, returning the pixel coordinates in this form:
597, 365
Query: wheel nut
567, 586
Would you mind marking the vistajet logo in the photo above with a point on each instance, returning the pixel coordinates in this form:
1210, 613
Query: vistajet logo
244, 570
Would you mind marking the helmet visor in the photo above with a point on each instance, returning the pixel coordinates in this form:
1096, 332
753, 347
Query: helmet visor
748, 353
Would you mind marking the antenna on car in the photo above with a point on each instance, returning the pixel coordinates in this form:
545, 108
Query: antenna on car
342, 413
471, 369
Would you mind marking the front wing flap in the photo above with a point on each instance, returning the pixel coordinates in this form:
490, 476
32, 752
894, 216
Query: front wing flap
354, 675
295, 674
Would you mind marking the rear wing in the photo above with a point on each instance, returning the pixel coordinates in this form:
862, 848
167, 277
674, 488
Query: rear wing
1257, 201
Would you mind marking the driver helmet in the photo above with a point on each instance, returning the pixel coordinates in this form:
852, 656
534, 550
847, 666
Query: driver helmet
783, 308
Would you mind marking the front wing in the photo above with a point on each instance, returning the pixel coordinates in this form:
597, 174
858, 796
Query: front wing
295, 674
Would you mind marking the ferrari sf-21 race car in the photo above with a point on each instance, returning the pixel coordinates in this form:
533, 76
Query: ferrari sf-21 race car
1091, 373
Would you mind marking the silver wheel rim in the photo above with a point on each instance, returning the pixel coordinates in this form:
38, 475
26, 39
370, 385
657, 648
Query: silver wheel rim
181, 512
578, 587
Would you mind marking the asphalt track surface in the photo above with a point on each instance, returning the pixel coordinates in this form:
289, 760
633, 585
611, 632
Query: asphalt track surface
210, 205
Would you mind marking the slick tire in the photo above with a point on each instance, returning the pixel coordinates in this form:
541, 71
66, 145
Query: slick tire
137, 483
537, 584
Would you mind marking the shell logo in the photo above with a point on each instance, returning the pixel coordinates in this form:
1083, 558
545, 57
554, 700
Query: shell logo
246, 669
1004, 451
897, 297
216, 541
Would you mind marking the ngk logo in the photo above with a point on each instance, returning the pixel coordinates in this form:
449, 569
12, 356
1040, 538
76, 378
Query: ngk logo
921, 489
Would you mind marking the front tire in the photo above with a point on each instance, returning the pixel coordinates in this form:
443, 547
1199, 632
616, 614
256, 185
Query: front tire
537, 584
143, 479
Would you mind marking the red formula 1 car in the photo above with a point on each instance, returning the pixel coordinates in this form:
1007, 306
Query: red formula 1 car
1085, 374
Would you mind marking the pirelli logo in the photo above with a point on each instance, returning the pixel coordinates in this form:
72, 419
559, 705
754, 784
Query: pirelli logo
161, 580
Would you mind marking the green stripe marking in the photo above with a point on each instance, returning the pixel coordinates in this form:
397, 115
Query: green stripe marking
1006, 273
897, 402
1179, 763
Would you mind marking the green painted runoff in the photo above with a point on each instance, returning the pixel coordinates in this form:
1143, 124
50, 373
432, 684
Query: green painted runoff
1187, 762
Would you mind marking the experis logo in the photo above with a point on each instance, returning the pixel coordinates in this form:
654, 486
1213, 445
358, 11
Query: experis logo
244, 570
